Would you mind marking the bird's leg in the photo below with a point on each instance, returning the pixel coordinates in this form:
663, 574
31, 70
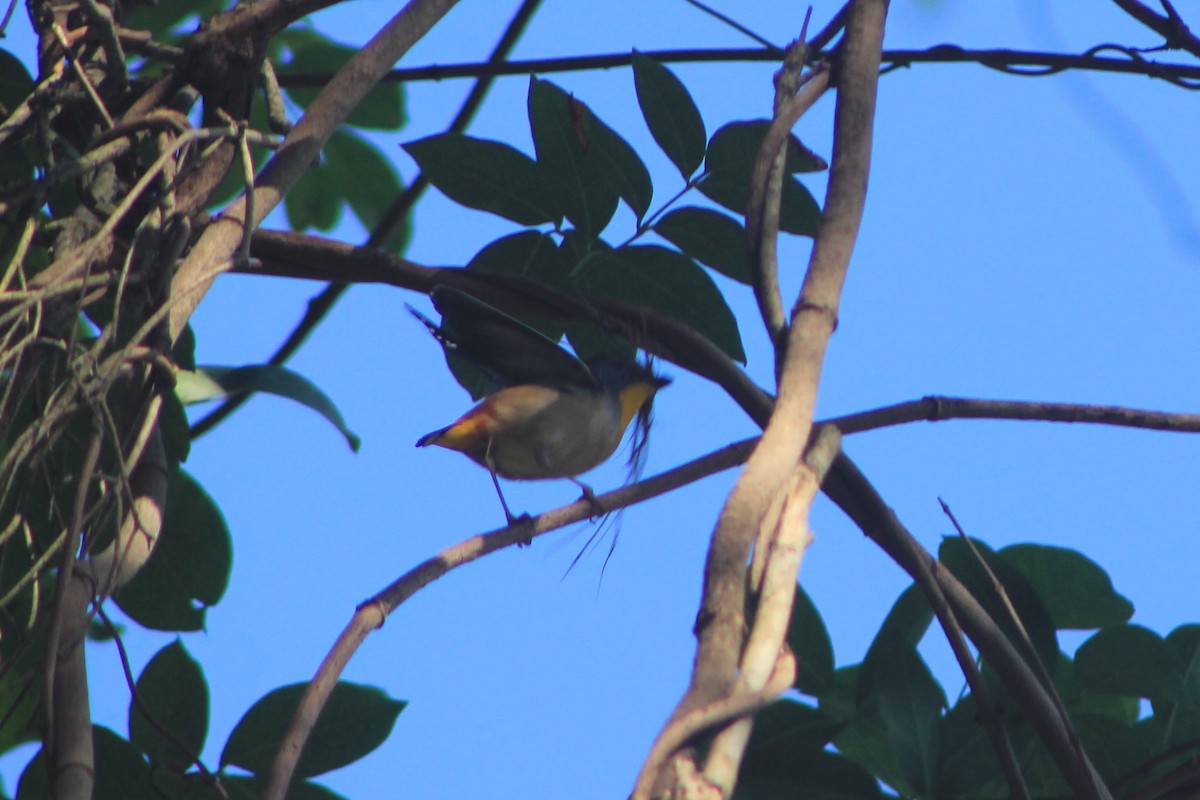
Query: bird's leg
589, 495
512, 520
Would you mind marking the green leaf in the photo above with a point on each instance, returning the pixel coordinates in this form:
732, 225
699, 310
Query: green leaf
315, 201
1116, 749
729, 165
174, 693
1131, 660
1079, 699
967, 765
355, 721
962, 561
189, 568
621, 167
570, 166
351, 158
1077, 592
669, 282
907, 620
740, 141
173, 422
212, 382
18, 158
670, 113
712, 238
314, 53
121, 773
867, 742
809, 640
253, 787
785, 730
486, 175
161, 19
815, 775
909, 702
528, 254
1185, 641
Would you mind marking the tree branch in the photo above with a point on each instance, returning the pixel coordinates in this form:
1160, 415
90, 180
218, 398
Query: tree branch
1004, 59
860, 501
372, 613
721, 619
1170, 26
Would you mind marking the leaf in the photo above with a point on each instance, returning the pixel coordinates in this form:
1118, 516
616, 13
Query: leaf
253, 787
212, 382
809, 640
367, 180
162, 19
729, 164
528, 254
621, 167
1030, 609
355, 721
669, 282
173, 422
1131, 660
571, 168
315, 201
121, 773
784, 731
173, 690
1116, 749
816, 775
907, 620
740, 142
712, 238
486, 175
189, 568
313, 53
910, 703
670, 114
967, 765
1077, 592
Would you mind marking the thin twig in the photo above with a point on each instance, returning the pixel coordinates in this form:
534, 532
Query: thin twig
1003, 59
80, 73
131, 682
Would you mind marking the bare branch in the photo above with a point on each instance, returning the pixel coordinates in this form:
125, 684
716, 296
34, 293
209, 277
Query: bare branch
373, 612
1018, 62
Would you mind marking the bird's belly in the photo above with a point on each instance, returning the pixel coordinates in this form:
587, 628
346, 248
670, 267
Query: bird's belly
562, 445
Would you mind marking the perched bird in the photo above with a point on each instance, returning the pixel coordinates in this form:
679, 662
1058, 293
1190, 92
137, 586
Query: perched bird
552, 415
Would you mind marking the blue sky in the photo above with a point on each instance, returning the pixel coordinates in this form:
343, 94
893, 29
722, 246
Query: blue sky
1019, 243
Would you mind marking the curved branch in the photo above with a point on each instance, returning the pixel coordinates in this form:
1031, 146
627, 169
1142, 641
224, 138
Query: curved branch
721, 619
372, 613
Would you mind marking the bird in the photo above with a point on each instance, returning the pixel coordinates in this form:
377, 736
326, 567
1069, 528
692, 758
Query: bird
551, 415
